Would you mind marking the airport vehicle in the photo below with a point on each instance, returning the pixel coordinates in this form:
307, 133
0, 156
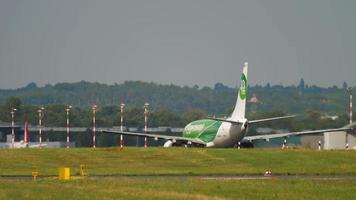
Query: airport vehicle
223, 132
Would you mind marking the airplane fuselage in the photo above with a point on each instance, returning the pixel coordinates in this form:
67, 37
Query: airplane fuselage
215, 133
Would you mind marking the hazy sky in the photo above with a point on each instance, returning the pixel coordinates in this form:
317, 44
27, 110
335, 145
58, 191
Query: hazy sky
183, 42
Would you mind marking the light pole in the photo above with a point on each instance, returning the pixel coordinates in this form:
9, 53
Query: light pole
350, 93
13, 110
146, 116
122, 123
94, 124
350, 116
40, 115
68, 125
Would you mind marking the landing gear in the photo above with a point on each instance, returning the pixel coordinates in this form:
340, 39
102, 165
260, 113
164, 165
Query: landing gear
245, 144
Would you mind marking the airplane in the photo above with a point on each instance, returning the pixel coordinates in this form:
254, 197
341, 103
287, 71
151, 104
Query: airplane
22, 144
25, 143
221, 132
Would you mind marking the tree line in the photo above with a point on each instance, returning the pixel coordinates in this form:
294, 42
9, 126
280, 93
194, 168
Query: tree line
109, 116
216, 101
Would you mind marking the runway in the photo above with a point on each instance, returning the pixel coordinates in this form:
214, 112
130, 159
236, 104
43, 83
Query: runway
213, 177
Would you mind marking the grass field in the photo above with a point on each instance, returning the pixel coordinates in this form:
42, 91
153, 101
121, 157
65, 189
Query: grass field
177, 189
176, 161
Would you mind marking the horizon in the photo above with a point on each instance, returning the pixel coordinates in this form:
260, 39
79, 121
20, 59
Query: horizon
167, 84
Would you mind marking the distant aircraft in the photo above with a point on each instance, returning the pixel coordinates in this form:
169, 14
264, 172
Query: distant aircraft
220, 132
22, 144
25, 143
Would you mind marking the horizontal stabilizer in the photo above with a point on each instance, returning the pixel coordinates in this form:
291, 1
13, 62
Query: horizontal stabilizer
271, 119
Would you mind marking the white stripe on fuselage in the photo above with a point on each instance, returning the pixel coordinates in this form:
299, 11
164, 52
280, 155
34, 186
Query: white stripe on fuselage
228, 135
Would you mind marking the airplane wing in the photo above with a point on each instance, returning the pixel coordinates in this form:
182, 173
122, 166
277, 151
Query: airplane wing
157, 136
278, 135
252, 121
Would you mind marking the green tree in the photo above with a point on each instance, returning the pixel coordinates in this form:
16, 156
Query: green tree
11, 103
193, 115
164, 117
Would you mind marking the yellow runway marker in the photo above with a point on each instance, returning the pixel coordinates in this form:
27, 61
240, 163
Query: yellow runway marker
34, 175
64, 173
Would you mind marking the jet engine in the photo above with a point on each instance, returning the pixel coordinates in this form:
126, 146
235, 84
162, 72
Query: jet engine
169, 143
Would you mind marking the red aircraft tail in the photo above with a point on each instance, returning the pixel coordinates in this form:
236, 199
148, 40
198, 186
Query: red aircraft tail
26, 133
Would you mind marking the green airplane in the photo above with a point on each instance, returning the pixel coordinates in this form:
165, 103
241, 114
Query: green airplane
221, 132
